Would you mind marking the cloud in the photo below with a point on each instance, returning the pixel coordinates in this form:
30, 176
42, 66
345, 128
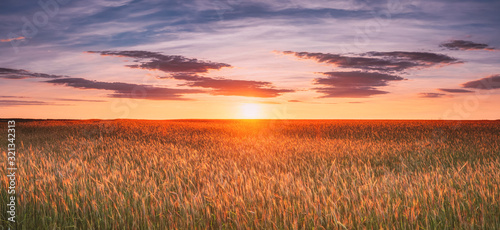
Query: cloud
57, 99
375, 70
349, 92
182, 68
353, 84
466, 45
219, 86
379, 61
16, 74
127, 90
230, 87
356, 79
20, 102
78, 100
294, 101
420, 59
491, 82
165, 63
12, 39
273, 10
13, 97
431, 95
455, 90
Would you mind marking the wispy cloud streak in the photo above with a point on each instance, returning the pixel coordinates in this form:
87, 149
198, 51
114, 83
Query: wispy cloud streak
466, 45
488, 83
230, 87
353, 84
14, 74
127, 90
379, 61
166, 63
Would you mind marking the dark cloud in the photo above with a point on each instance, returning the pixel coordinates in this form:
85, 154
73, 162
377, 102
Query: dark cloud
21, 102
78, 100
230, 87
353, 84
465, 45
431, 95
166, 63
219, 86
186, 69
380, 61
16, 74
349, 92
377, 70
351, 61
57, 99
127, 90
421, 59
456, 90
13, 97
356, 79
491, 82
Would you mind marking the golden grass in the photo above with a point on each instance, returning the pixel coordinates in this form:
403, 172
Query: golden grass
256, 175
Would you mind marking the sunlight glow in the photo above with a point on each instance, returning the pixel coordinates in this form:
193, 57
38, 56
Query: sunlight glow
250, 111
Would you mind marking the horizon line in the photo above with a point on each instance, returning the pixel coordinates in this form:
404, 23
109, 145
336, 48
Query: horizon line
239, 119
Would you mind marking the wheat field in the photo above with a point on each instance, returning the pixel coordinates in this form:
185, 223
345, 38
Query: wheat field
256, 174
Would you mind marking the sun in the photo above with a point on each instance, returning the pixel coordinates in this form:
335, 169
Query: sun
250, 111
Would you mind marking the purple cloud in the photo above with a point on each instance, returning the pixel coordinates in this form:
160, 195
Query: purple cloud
491, 82
349, 92
182, 68
230, 87
17, 74
16, 97
456, 90
466, 45
431, 95
380, 61
166, 63
57, 99
356, 79
78, 100
376, 70
353, 84
127, 90
22, 102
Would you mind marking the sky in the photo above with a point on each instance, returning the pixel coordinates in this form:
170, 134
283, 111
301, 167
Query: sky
231, 59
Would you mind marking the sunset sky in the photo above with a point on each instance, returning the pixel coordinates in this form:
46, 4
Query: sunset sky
290, 59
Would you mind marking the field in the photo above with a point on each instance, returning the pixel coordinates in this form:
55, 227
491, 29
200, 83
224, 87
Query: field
250, 174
